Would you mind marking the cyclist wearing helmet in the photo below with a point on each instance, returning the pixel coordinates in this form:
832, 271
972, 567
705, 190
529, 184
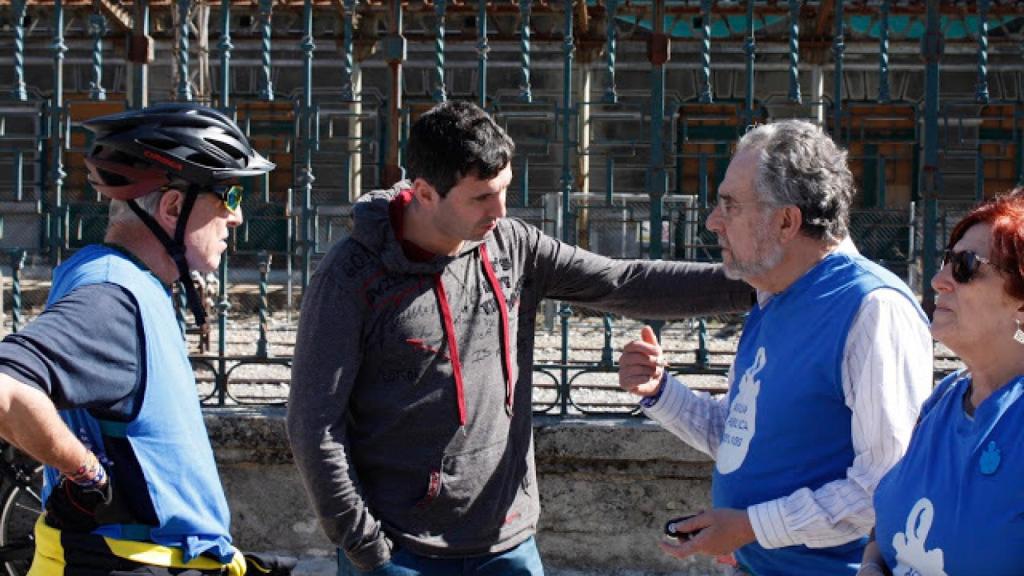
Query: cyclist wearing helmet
99, 387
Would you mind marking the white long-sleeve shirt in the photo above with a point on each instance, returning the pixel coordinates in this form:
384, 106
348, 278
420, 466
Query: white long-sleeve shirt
886, 376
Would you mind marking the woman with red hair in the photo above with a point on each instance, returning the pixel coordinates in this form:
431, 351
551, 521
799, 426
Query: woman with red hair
955, 503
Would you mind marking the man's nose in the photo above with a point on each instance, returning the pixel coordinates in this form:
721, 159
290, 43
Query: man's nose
714, 222
499, 207
235, 217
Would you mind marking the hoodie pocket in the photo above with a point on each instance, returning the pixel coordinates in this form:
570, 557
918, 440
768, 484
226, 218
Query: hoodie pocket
473, 490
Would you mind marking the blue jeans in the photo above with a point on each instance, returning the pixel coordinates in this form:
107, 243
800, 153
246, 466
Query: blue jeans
523, 560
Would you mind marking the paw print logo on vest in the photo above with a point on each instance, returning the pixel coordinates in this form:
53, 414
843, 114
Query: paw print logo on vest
990, 459
911, 557
742, 420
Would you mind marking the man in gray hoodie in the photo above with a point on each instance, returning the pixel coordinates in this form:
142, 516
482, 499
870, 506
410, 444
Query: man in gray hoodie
410, 407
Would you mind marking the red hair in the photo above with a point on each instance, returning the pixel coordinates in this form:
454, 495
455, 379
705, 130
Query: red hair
1005, 214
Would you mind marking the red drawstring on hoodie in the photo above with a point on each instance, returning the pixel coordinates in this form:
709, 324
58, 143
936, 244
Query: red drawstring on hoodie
449, 328
506, 345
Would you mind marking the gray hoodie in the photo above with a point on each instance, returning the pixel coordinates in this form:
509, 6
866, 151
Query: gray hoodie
401, 442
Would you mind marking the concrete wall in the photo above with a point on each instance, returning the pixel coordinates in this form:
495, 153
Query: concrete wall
607, 486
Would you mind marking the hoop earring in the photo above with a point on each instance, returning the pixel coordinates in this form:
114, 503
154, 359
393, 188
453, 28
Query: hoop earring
1019, 334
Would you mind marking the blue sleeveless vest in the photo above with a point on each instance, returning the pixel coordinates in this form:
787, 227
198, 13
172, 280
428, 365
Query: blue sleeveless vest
788, 425
165, 446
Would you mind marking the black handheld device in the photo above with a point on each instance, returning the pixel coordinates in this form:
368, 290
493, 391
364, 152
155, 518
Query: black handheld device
672, 530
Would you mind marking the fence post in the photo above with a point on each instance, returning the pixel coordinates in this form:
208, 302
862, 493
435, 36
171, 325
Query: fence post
707, 92
610, 95
184, 89
748, 49
658, 51
262, 347
838, 49
483, 49
883, 54
18, 257
350, 91
394, 54
982, 93
182, 301
140, 54
606, 349
57, 132
221, 380
565, 311
266, 12
347, 49
794, 51
18, 9
98, 28
525, 91
931, 48
440, 6
310, 121
225, 46
18, 175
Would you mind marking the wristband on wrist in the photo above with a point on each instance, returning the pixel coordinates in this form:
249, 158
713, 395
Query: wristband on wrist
90, 474
651, 400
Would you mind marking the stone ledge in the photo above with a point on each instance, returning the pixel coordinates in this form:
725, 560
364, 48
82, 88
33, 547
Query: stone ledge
257, 435
607, 486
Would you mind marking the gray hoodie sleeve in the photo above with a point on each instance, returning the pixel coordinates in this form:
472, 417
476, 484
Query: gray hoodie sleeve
328, 350
648, 289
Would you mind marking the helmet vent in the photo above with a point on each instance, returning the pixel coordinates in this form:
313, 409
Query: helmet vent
111, 178
203, 159
231, 151
161, 143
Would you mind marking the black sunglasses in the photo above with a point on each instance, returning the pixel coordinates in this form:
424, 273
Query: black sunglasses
965, 264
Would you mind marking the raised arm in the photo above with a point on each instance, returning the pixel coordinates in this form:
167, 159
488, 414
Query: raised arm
650, 289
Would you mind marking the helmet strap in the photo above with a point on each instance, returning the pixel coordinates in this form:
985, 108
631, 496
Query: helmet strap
176, 250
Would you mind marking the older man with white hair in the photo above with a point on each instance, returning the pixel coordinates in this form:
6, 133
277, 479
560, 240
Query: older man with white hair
830, 372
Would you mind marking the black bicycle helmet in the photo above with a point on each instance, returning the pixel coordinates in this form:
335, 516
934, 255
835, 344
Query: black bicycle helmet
138, 152
186, 141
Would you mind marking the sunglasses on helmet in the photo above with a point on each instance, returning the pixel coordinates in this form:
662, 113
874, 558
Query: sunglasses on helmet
965, 264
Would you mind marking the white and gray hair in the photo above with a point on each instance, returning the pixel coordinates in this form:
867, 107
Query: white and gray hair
800, 165
120, 213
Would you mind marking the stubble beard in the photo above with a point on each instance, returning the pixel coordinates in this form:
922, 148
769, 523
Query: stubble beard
768, 255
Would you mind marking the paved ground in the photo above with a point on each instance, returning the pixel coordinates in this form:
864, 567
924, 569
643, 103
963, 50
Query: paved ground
319, 566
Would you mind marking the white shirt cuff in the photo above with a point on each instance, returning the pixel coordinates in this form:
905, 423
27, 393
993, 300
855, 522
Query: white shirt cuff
672, 394
768, 521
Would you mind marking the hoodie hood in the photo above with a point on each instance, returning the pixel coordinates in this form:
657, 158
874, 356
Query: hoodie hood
372, 228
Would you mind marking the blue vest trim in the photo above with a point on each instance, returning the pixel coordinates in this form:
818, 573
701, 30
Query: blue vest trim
136, 532
113, 428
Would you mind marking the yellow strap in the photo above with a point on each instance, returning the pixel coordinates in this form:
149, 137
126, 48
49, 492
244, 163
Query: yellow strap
50, 554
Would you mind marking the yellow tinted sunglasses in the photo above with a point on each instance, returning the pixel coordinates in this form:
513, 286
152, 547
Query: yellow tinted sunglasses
231, 195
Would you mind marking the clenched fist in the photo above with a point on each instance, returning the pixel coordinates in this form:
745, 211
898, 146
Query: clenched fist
642, 365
